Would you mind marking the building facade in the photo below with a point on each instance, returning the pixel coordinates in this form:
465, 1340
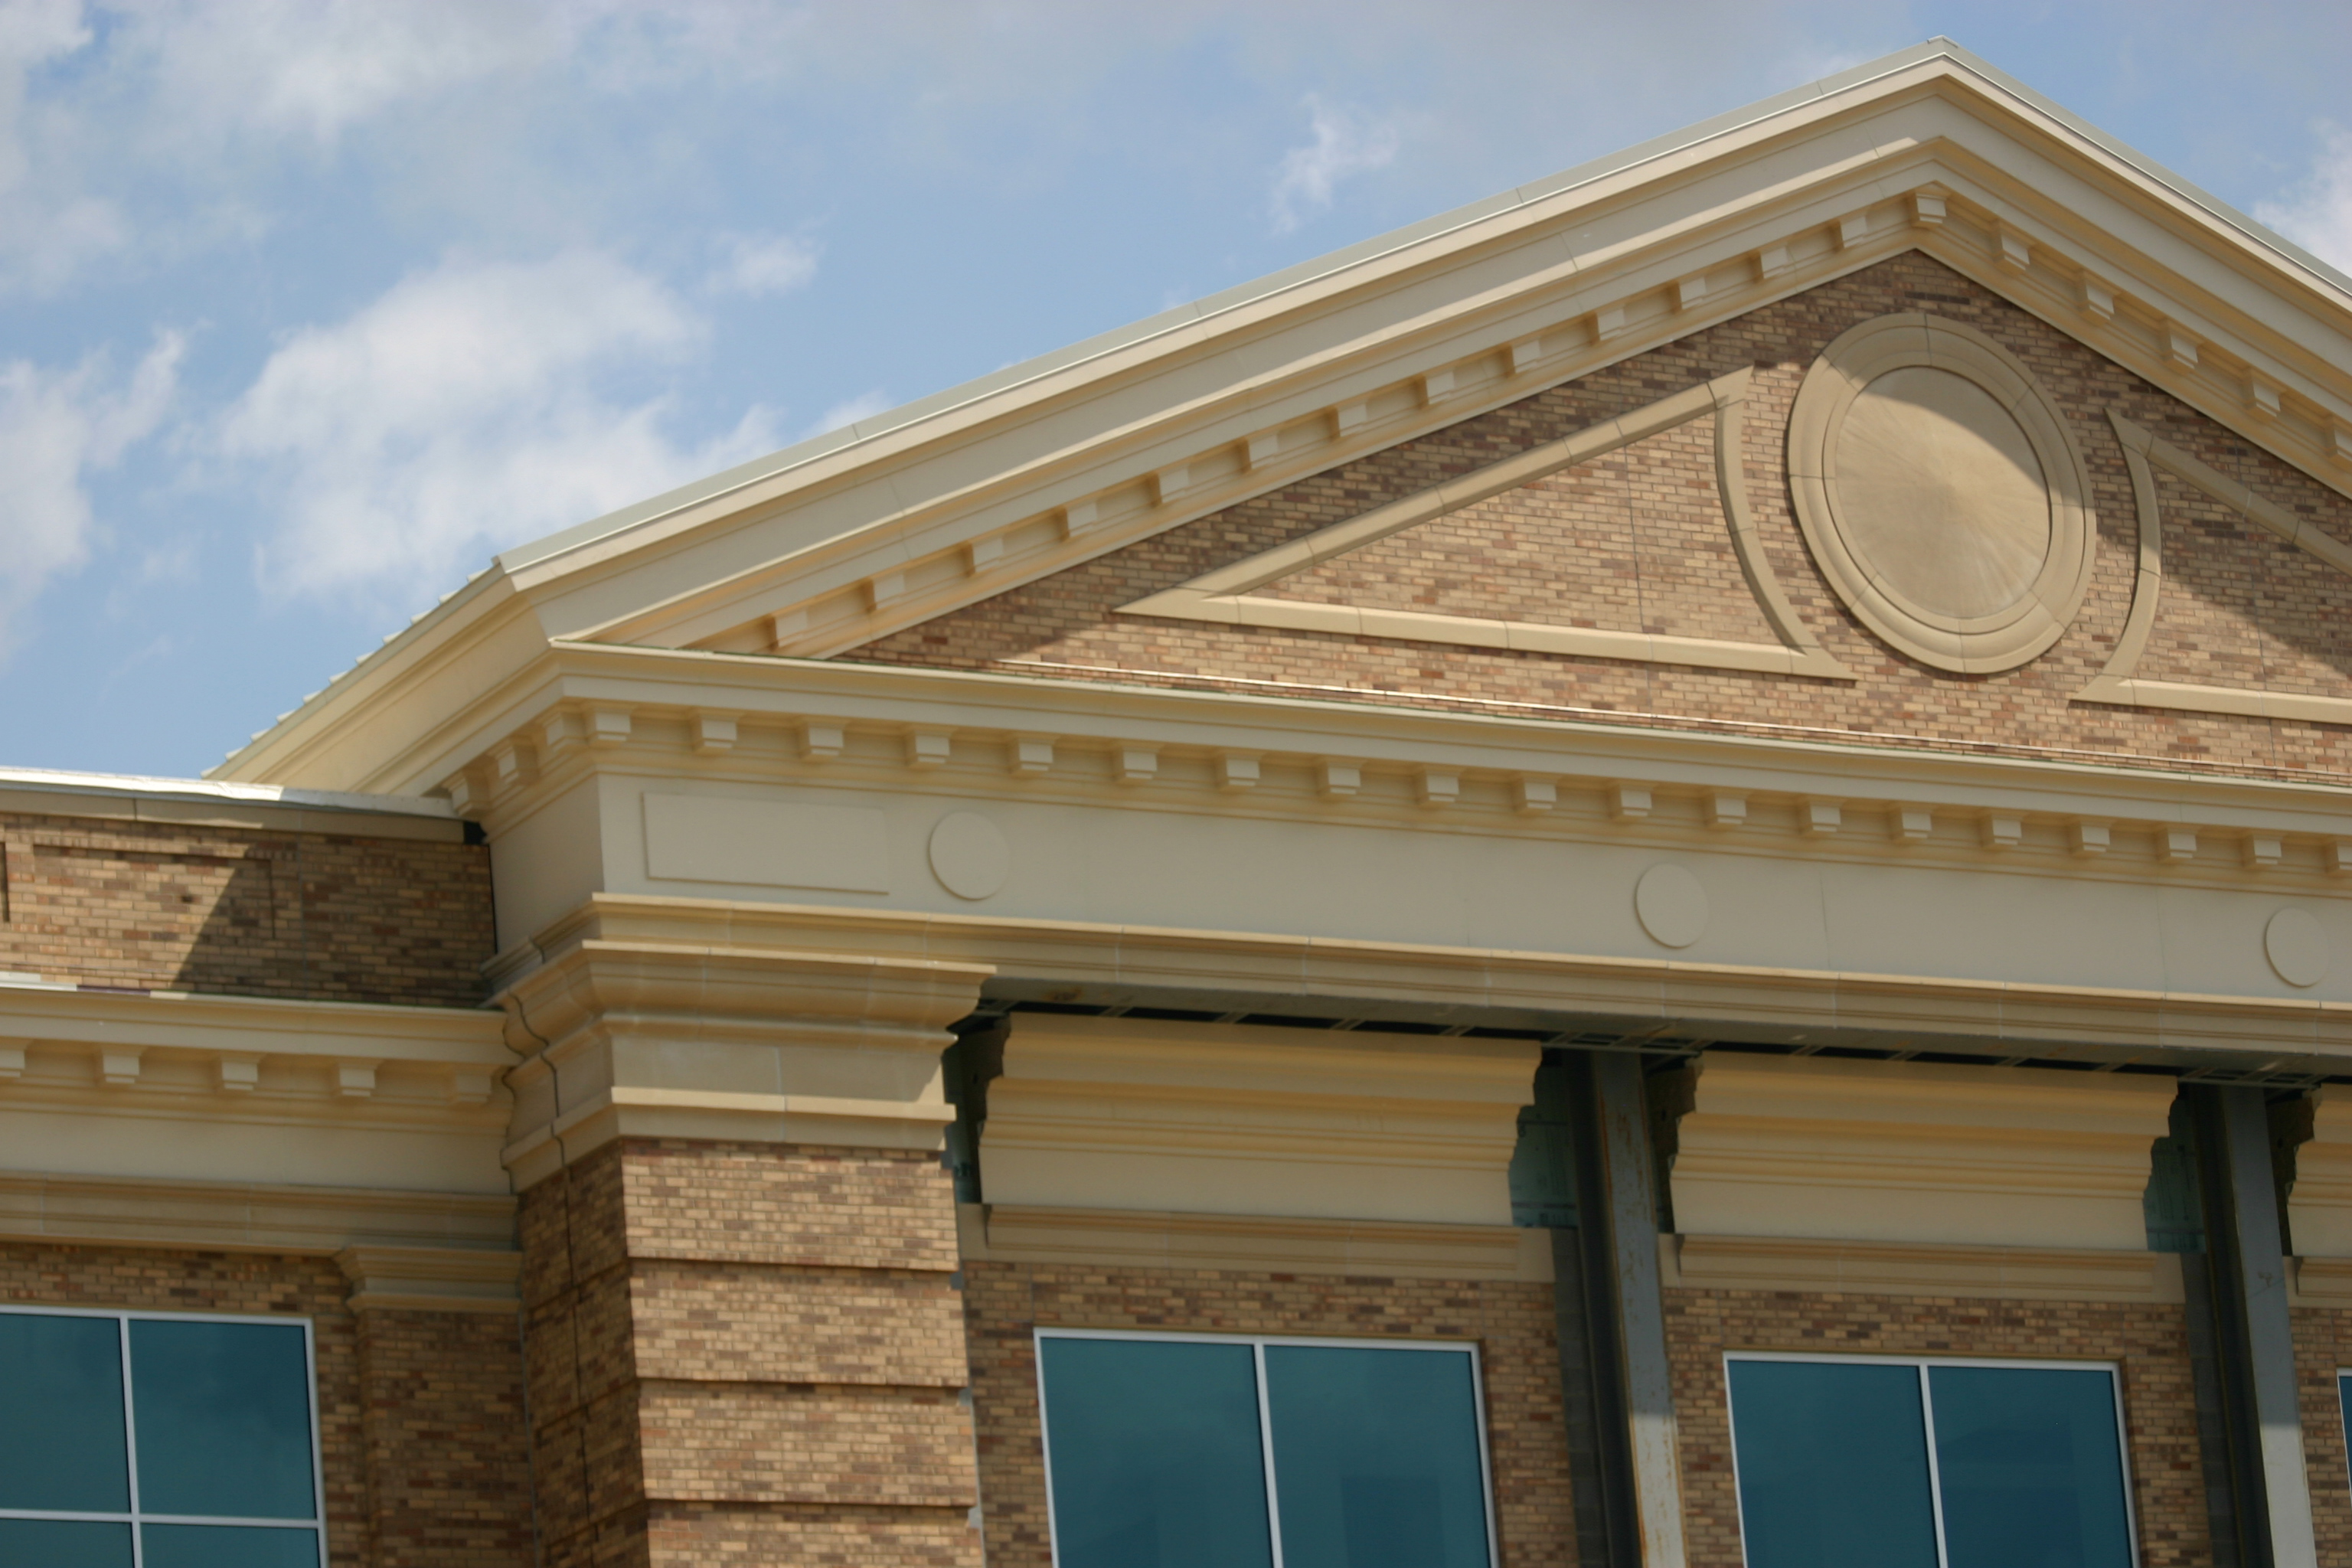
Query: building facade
1655, 874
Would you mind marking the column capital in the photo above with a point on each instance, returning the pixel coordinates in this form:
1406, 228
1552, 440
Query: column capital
694, 1031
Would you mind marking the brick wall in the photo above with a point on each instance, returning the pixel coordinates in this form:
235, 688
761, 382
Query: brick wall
748, 1352
2150, 1342
420, 1433
2323, 1343
1512, 1324
449, 1462
1630, 540
247, 911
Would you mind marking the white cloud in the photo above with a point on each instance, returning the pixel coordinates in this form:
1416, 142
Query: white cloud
1344, 142
55, 428
2318, 215
464, 410
311, 70
759, 267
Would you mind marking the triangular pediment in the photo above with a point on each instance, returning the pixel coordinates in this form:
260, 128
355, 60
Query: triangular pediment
837, 544
1280, 587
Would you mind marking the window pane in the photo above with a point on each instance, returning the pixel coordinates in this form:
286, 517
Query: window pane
62, 1414
228, 1546
2032, 1469
1156, 1461
1375, 1457
223, 1414
1832, 1464
55, 1543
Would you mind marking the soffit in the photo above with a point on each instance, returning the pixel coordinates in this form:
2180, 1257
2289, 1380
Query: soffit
1048, 465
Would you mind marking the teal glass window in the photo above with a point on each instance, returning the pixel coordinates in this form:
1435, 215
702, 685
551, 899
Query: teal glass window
1848, 1462
1186, 1451
157, 1440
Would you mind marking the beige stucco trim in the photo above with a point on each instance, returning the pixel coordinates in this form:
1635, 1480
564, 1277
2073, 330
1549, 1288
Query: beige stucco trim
651, 694
1225, 597
1973, 645
1914, 1151
1145, 1115
431, 1279
1653, 996
721, 1039
1895, 1269
2117, 683
123, 1210
1256, 1244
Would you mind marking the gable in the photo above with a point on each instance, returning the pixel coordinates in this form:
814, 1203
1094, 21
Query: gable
1292, 556
1034, 473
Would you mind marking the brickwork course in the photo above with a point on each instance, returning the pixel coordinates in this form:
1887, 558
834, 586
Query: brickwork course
245, 911
2148, 1343
1512, 1324
748, 1352
420, 1420
1627, 542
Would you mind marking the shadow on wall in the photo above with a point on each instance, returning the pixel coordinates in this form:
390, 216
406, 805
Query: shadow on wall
156, 907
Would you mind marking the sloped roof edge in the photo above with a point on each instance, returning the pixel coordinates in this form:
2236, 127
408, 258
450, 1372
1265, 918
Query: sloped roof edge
1241, 296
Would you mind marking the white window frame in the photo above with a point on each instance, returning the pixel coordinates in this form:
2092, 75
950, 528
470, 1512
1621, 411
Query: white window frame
316, 1525
1928, 1416
1259, 1345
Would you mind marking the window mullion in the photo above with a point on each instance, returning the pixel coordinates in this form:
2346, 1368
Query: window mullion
1266, 1444
131, 1443
1935, 1471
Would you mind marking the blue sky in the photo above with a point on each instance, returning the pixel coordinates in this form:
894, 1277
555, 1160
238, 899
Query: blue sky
308, 306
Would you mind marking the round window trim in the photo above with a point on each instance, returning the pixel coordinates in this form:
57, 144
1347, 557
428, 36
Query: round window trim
1969, 645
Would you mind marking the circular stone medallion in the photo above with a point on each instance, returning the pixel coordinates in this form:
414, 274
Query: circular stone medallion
1941, 493
2297, 944
970, 856
1671, 905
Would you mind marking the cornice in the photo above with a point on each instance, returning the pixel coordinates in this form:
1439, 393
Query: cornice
252, 1059
649, 715
1631, 998
255, 1217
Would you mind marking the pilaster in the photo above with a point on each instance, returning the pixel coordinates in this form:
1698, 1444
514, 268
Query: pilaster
742, 1315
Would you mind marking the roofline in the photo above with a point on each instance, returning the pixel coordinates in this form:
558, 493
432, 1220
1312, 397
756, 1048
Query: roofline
140, 786
1245, 295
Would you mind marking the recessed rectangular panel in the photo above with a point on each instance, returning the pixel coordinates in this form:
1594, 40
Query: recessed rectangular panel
2032, 1467
63, 1543
222, 1416
61, 1443
1375, 1457
1155, 1455
766, 843
1833, 1461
